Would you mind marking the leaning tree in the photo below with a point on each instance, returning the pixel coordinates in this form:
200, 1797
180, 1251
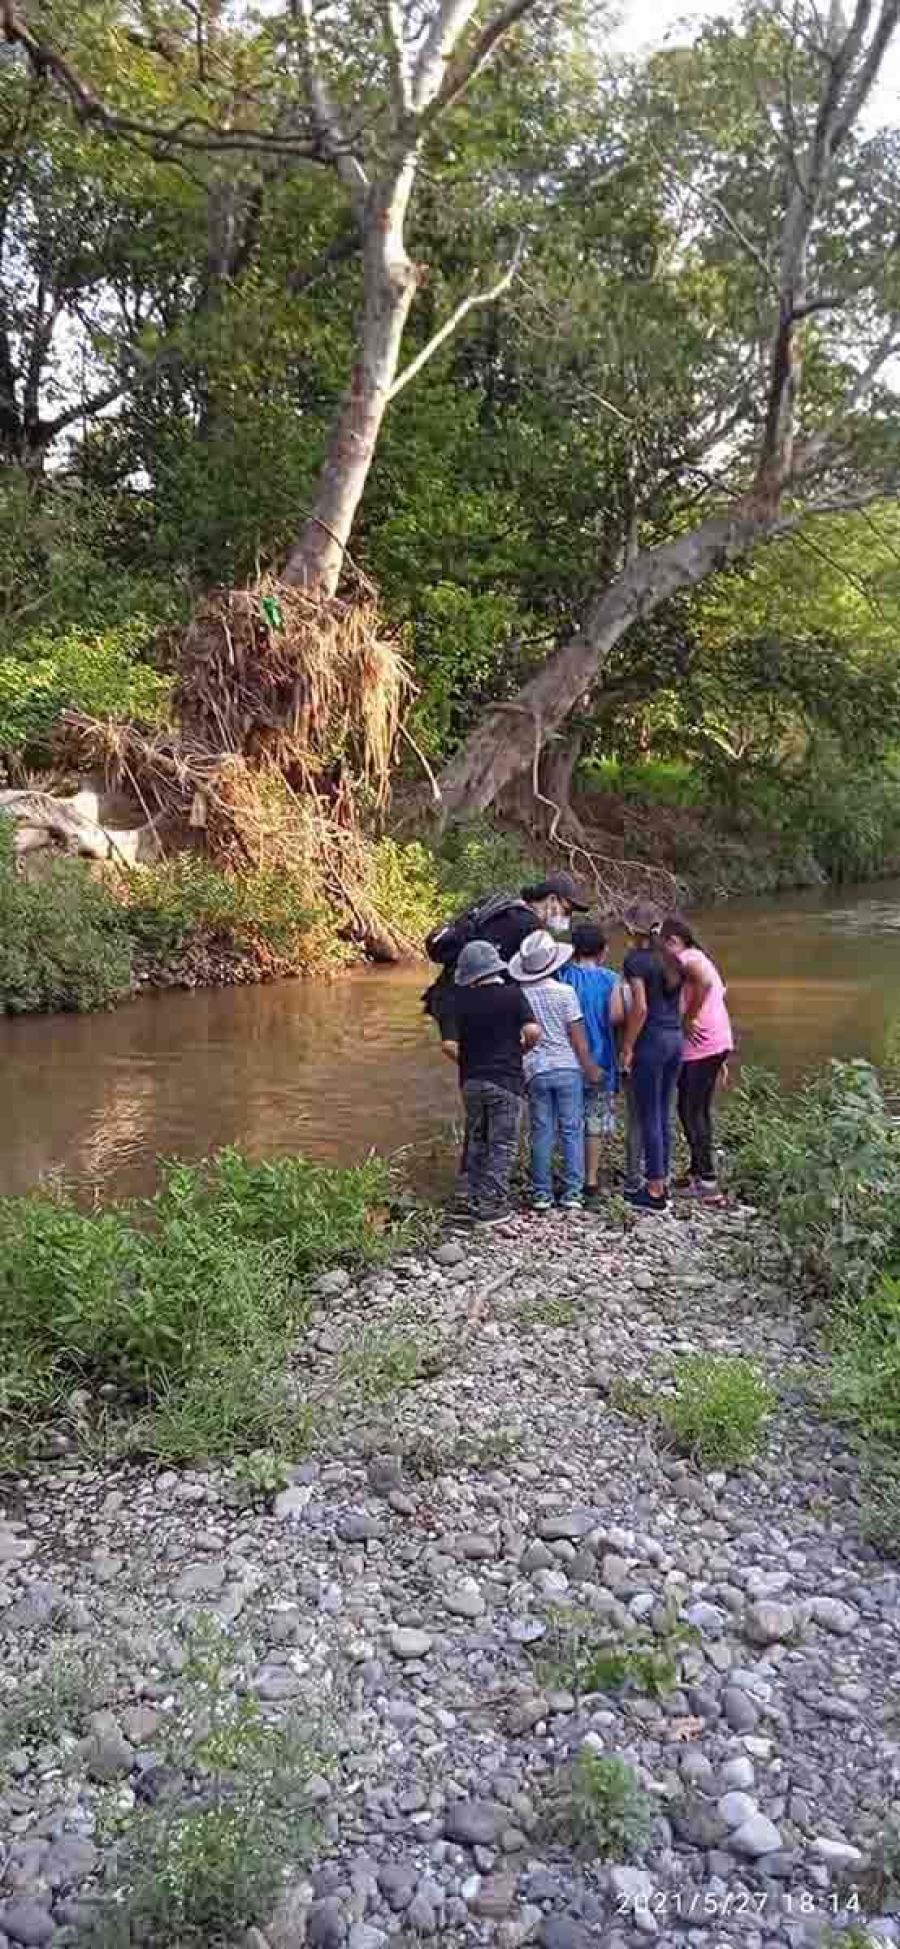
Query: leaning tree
780, 203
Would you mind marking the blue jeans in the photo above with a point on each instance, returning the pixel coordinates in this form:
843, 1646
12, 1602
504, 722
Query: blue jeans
556, 1100
654, 1074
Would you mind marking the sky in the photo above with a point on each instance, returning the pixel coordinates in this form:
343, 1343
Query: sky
646, 23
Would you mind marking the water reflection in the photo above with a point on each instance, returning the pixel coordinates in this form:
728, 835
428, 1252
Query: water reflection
339, 1069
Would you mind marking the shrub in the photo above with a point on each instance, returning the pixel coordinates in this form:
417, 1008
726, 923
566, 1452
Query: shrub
63, 942
826, 1164
186, 901
719, 1409
98, 673
186, 1304
603, 1807
867, 1369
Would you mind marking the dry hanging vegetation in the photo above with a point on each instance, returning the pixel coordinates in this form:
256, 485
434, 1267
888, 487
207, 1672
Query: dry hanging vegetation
289, 708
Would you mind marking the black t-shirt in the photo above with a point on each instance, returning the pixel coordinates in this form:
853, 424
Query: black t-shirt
489, 1024
663, 1011
506, 932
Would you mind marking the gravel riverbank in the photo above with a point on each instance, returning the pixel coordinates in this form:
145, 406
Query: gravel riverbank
414, 1592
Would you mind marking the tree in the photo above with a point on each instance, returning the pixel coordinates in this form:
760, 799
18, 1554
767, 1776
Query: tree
357, 90
783, 214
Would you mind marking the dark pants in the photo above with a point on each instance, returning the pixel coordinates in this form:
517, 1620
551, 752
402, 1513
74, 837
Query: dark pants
491, 1144
696, 1089
654, 1074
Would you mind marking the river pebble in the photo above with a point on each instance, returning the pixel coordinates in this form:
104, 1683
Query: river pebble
443, 1591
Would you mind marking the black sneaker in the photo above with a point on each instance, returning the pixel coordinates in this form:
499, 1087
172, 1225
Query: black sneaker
645, 1201
592, 1196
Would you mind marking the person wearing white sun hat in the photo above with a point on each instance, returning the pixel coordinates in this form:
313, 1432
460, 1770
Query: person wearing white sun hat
555, 1070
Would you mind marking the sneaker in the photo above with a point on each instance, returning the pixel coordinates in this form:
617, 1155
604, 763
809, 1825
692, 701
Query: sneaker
708, 1191
592, 1196
482, 1218
645, 1201
572, 1207
541, 1206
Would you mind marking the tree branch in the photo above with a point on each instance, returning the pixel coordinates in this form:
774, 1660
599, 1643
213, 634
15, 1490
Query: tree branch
192, 133
326, 119
450, 325
464, 71
391, 17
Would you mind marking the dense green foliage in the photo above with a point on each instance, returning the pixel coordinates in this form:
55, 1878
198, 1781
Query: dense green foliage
164, 410
187, 1306
826, 1165
63, 942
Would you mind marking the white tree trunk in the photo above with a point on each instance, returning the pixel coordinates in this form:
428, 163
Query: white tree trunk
316, 559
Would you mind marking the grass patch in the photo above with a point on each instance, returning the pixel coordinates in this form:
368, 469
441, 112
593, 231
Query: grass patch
187, 1304
381, 1363
211, 1863
719, 1410
547, 1309
602, 1807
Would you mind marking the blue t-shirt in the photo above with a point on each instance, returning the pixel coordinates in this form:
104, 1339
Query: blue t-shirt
594, 987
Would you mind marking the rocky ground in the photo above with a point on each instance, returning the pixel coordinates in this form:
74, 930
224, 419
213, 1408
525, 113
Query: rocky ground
415, 1592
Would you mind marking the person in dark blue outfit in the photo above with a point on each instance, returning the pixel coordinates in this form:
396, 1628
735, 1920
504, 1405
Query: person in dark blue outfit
652, 1047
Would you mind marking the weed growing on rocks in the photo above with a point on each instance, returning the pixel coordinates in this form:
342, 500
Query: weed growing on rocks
382, 1362
719, 1409
211, 1860
579, 1656
427, 1453
603, 1808
72, 1684
547, 1309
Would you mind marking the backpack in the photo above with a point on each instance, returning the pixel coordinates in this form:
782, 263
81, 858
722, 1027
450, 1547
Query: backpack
445, 944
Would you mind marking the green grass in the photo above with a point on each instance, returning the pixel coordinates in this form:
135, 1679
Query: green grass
186, 1305
719, 1410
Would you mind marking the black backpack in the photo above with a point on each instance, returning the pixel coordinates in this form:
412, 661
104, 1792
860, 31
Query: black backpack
445, 944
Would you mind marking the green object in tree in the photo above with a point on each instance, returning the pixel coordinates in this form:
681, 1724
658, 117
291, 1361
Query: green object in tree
271, 608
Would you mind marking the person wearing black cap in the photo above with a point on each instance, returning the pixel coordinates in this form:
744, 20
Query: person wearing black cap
550, 904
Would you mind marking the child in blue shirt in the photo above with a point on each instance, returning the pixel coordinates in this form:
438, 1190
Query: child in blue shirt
596, 986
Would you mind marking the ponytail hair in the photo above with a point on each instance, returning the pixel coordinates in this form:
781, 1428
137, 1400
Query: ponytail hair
646, 922
676, 927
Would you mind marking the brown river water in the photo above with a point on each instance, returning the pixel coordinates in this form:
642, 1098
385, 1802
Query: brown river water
337, 1069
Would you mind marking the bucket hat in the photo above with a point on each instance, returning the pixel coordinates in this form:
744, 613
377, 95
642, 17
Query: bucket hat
539, 957
476, 962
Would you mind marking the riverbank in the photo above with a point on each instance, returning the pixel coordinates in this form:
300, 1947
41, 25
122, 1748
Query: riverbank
564, 1622
74, 938
551, 1679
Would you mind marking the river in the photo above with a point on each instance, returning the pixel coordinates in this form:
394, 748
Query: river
337, 1069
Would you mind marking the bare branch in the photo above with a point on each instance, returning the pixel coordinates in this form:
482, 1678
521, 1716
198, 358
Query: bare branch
450, 20
450, 325
820, 445
325, 115
391, 17
464, 71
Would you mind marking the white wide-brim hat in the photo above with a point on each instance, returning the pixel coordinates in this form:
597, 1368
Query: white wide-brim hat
539, 957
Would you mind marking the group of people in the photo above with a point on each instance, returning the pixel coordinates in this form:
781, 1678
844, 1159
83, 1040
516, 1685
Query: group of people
528, 1008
